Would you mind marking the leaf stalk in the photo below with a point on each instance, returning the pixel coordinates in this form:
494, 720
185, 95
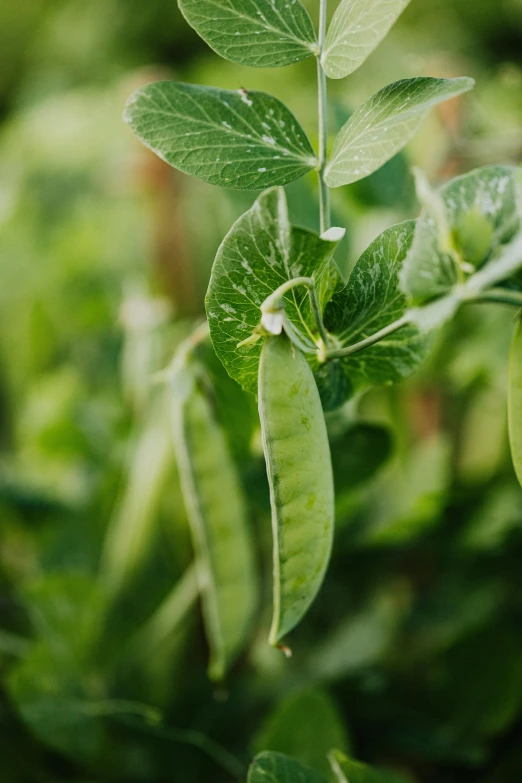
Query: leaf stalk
274, 304
349, 350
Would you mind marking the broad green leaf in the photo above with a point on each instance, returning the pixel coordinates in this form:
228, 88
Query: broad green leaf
306, 726
370, 301
217, 514
483, 212
270, 767
262, 33
261, 252
515, 400
384, 124
357, 28
234, 139
348, 771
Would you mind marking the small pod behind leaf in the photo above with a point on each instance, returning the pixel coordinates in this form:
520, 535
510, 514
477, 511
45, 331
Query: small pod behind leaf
515, 400
218, 520
299, 470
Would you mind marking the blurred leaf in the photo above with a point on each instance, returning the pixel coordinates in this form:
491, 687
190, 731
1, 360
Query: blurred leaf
489, 528
265, 33
370, 301
53, 686
483, 212
356, 457
409, 497
306, 725
348, 771
277, 768
482, 685
384, 124
234, 139
261, 252
357, 28
389, 186
358, 641
54, 704
482, 442
65, 610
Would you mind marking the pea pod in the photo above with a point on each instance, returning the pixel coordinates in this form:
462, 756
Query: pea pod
299, 470
515, 399
218, 521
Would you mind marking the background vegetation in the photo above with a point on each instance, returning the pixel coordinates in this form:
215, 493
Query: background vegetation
411, 657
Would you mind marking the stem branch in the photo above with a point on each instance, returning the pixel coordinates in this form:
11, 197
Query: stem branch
500, 296
339, 353
275, 304
324, 192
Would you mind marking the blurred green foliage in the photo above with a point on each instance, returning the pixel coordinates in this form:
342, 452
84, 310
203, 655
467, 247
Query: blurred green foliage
411, 656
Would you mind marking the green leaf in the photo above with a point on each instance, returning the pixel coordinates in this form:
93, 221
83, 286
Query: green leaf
234, 139
261, 252
480, 213
515, 400
65, 610
270, 767
306, 725
370, 301
52, 699
348, 771
384, 124
262, 33
357, 28
53, 686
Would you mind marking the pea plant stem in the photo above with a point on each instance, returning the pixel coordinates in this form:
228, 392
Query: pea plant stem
500, 296
349, 350
324, 192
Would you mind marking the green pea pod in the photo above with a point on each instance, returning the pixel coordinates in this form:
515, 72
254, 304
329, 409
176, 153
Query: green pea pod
299, 471
515, 399
218, 521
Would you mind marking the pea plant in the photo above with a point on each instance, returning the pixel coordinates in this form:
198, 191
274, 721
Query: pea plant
281, 319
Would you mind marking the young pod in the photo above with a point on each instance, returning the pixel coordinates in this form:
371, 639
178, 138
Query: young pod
515, 399
218, 521
299, 471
